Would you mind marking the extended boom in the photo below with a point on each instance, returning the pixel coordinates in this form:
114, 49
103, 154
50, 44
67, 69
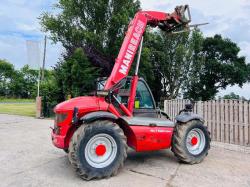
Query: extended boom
165, 21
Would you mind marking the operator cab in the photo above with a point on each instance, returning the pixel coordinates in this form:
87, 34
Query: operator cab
144, 101
144, 106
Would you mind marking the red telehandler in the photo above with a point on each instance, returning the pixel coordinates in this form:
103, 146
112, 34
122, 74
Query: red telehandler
96, 131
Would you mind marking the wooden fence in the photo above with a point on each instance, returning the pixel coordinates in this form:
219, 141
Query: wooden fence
227, 120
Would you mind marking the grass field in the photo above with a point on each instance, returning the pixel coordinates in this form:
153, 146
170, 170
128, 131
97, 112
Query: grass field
23, 109
11, 100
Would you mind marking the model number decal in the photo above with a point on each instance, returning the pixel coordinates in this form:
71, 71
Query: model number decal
159, 130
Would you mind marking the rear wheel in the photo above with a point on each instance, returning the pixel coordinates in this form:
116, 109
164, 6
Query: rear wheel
98, 150
191, 142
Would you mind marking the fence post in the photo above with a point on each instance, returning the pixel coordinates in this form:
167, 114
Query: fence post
217, 121
213, 122
231, 125
246, 123
199, 108
240, 124
209, 116
248, 131
204, 112
236, 121
38, 107
226, 129
222, 120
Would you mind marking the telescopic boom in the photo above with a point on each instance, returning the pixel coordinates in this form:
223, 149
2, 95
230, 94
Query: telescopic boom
165, 21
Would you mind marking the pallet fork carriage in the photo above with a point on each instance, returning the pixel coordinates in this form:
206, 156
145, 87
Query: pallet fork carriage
97, 130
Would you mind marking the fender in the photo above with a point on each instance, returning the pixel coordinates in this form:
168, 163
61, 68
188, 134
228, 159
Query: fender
188, 116
90, 117
98, 115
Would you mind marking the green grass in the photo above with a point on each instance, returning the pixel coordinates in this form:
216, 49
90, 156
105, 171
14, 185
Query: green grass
22, 109
13, 100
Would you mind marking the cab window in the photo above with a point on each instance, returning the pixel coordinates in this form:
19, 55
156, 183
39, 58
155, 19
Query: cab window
143, 98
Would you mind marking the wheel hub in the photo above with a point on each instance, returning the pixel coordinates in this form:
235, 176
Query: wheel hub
194, 140
100, 150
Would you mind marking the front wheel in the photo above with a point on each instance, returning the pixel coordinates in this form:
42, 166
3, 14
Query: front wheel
191, 142
98, 150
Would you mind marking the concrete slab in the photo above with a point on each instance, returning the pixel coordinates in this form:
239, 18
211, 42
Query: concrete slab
27, 158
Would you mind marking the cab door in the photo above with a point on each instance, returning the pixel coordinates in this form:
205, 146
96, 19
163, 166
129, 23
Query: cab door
144, 101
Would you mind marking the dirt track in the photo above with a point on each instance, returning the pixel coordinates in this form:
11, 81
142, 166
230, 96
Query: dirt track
27, 158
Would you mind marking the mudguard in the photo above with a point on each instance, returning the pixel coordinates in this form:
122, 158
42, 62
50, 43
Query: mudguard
97, 115
188, 116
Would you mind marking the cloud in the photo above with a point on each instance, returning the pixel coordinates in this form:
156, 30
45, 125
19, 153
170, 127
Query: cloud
13, 48
245, 50
227, 17
19, 20
244, 91
230, 18
208, 8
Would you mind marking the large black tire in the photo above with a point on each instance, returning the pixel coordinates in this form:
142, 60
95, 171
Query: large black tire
79, 142
179, 142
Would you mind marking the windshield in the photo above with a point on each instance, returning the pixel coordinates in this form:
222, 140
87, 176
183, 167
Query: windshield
100, 83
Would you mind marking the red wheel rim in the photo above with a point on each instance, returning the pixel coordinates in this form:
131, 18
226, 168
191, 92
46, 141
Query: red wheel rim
100, 150
194, 140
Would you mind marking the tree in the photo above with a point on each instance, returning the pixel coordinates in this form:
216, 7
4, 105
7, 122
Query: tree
148, 68
218, 67
96, 26
6, 75
75, 76
28, 82
17, 83
51, 93
184, 63
232, 95
174, 62
166, 61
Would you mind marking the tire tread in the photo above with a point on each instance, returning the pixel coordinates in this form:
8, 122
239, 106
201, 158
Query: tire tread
75, 141
178, 147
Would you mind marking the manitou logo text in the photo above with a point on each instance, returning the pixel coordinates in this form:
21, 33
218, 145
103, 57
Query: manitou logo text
132, 46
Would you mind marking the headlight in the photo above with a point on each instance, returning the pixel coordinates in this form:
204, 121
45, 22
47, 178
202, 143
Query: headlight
60, 118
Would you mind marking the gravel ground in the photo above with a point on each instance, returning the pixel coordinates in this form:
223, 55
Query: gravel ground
28, 158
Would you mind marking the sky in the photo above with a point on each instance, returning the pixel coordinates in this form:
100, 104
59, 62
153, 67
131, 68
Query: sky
19, 23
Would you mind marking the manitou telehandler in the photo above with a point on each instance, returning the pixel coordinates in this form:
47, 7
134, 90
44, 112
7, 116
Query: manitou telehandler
97, 130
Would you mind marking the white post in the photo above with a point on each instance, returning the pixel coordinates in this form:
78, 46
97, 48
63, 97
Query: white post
38, 106
38, 98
